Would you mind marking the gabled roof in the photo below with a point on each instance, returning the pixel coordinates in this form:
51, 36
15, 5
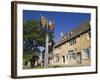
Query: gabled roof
80, 29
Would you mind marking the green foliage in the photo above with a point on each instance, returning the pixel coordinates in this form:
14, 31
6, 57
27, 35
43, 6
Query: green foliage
33, 37
26, 56
32, 30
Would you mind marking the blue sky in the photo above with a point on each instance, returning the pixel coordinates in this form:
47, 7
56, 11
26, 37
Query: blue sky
63, 21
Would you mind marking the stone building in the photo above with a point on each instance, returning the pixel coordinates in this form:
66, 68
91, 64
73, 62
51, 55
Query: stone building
74, 47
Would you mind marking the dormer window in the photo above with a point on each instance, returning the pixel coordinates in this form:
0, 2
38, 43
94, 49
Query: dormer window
72, 42
65, 37
70, 34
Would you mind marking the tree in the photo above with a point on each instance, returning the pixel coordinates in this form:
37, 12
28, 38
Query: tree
33, 37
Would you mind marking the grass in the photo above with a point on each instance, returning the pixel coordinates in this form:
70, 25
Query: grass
56, 66
50, 66
37, 67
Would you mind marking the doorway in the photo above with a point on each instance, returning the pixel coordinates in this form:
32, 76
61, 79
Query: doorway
63, 59
79, 58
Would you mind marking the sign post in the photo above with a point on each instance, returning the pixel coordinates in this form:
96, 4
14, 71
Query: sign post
46, 50
46, 26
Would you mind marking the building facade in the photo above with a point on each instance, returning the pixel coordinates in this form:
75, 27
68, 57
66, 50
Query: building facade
74, 48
